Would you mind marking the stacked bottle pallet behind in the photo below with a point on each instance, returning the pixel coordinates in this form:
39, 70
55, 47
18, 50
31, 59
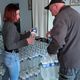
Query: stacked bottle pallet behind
2, 70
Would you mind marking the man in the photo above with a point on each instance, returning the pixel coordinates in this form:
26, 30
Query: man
65, 42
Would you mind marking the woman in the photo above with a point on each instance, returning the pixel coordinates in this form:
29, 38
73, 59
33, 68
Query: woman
13, 40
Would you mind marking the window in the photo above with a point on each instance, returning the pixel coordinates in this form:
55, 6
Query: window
75, 2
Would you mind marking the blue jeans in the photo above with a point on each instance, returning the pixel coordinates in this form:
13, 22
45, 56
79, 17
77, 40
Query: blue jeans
12, 65
69, 74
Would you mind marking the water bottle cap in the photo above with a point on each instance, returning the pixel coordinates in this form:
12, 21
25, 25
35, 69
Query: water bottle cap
34, 30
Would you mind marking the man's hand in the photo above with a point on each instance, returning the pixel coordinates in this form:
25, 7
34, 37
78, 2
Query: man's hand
48, 34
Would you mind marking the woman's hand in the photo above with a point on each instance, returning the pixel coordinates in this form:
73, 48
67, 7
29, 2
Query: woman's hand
31, 39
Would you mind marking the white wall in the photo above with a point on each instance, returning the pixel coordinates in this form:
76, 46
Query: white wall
26, 18
40, 16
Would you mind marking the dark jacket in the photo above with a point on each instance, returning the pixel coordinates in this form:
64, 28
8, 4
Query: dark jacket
66, 38
12, 39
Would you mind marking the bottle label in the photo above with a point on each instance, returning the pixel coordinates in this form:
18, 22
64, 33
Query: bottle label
48, 65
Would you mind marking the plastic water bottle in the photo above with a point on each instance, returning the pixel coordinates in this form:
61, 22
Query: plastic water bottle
33, 32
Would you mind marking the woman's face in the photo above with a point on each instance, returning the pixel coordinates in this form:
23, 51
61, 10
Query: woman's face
17, 15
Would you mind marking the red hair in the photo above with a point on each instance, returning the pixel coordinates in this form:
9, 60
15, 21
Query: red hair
10, 12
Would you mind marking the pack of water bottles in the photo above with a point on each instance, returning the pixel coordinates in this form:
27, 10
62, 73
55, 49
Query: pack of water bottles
49, 68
